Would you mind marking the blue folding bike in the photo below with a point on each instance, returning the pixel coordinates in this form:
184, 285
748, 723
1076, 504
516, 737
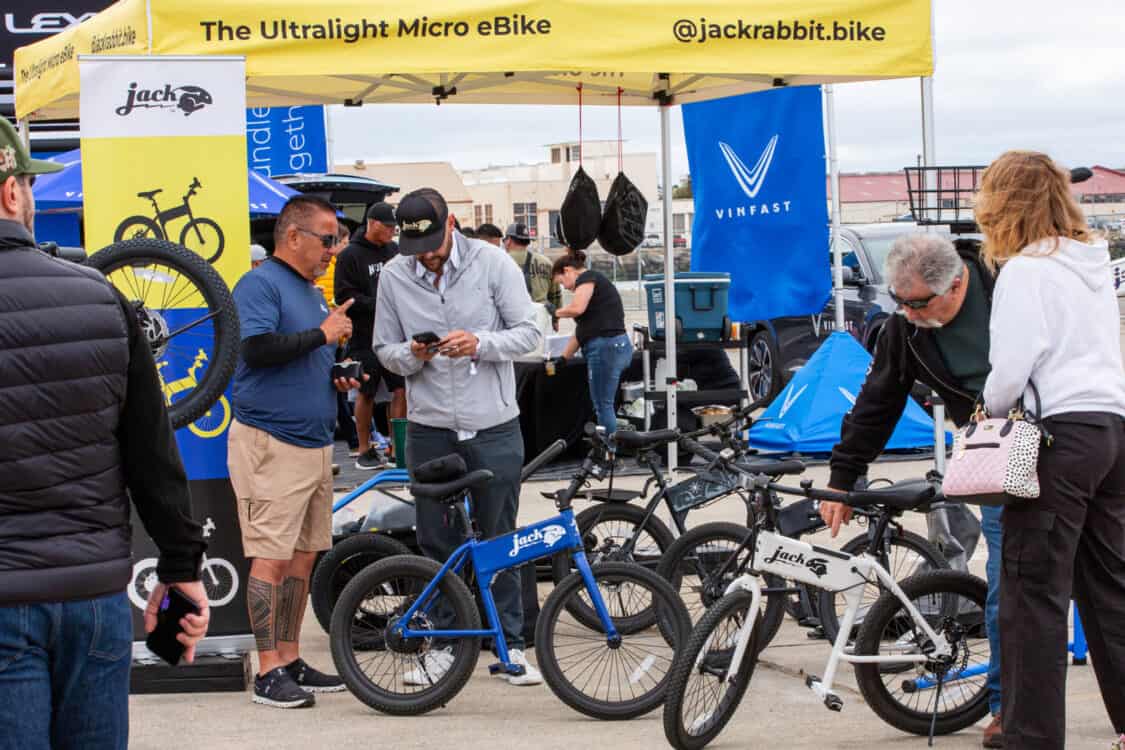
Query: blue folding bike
406, 632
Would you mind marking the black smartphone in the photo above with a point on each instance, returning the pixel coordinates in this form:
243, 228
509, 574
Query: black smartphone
429, 339
162, 640
348, 369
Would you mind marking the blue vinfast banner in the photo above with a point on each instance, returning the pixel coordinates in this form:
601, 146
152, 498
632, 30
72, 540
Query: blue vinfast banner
757, 174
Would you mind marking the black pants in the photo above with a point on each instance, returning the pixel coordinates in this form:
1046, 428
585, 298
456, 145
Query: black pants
500, 450
1068, 542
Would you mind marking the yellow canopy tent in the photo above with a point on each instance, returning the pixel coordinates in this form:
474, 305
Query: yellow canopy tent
657, 52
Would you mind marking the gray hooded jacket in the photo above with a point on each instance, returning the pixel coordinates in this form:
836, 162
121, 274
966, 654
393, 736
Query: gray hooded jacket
484, 295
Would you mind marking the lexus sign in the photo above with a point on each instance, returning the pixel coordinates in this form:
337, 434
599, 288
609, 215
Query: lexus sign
28, 21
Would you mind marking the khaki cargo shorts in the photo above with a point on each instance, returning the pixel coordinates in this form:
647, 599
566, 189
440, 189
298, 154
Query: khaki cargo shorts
284, 493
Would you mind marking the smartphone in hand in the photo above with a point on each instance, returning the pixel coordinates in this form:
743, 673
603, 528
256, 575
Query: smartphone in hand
349, 369
429, 339
162, 640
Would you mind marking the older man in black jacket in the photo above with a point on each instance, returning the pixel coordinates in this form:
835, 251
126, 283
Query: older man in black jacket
83, 428
944, 295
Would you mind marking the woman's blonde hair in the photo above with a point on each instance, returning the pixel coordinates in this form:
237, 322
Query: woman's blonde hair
1025, 197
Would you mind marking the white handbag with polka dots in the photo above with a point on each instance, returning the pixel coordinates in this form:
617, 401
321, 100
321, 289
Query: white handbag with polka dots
995, 461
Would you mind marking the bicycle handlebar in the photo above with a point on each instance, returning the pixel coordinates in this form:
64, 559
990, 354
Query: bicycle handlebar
553, 450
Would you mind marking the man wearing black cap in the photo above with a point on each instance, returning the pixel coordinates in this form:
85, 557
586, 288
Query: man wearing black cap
536, 268
357, 279
85, 434
461, 390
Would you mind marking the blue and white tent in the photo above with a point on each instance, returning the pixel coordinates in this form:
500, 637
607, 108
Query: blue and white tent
807, 414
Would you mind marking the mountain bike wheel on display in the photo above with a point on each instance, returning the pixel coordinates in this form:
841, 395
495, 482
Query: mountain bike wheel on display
403, 676
342, 563
605, 528
909, 554
696, 566
137, 228
904, 694
187, 314
702, 695
603, 679
204, 237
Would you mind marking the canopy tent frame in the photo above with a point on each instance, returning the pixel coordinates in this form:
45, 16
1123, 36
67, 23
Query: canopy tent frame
707, 71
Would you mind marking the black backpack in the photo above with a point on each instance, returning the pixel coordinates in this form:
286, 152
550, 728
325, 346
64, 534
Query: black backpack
623, 225
580, 216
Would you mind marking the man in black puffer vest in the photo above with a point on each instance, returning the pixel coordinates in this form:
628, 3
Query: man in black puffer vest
83, 428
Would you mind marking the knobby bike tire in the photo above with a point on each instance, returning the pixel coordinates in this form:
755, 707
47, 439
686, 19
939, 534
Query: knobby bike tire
827, 600
674, 561
672, 629
676, 727
628, 515
887, 610
224, 355
342, 563
376, 577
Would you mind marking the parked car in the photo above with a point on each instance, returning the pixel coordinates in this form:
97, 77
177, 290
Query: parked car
652, 240
352, 194
679, 240
781, 346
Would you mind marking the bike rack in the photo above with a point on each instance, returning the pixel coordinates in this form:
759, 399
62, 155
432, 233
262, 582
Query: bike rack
387, 476
1077, 647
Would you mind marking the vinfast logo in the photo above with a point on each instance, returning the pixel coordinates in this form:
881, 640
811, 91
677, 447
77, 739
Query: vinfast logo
187, 99
43, 23
751, 180
548, 536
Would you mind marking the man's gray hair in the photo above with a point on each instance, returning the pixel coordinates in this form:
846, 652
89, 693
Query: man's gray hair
929, 257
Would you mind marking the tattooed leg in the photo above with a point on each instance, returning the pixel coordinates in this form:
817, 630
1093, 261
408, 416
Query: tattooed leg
261, 598
290, 609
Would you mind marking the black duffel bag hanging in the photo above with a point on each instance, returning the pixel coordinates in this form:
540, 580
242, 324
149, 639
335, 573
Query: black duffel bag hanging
580, 216
623, 222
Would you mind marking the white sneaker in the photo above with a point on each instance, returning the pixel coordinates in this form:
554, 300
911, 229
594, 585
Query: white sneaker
431, 668
530, 675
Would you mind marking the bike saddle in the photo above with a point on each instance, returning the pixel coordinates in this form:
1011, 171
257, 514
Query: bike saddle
644, 440
150, 194
441, 469
450, 492
908, 495
774, 467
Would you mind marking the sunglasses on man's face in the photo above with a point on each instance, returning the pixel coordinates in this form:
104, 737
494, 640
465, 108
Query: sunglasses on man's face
327, 240
913, 304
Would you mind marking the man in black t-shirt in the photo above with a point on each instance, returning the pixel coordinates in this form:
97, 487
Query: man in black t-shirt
357, 279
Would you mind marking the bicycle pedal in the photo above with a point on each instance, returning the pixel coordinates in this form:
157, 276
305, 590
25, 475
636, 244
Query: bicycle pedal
833, 702
810, 680
516, 670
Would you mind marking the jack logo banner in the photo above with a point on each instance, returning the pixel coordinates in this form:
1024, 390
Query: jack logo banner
164, 157
757, 175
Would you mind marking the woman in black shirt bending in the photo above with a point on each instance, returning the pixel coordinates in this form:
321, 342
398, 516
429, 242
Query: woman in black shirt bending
597, 309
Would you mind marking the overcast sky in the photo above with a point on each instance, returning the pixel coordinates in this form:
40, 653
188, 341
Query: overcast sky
1009, 74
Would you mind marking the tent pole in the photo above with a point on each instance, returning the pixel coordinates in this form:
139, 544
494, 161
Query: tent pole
834, 177
329, 142
929, 149
669, 278
24, 128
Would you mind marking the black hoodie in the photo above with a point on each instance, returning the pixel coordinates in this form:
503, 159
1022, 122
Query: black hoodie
904, 354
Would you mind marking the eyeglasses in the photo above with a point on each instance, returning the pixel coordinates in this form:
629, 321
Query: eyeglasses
918, 304
913, 304
329, 241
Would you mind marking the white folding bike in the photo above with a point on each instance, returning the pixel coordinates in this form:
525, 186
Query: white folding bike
920, 655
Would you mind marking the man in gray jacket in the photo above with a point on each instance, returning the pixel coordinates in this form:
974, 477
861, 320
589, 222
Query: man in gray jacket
461, 391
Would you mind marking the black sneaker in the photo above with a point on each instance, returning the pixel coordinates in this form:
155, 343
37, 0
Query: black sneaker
371, 460
313, 681
277, 688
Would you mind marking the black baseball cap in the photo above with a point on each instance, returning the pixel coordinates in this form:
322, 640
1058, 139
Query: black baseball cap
382, 213
518, 232
422, 215
490, 230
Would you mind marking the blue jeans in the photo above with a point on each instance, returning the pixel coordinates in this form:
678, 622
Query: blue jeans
993, 535
64, 674
606, 358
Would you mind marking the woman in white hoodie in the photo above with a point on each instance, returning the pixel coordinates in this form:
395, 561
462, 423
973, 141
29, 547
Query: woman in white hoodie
1055, 324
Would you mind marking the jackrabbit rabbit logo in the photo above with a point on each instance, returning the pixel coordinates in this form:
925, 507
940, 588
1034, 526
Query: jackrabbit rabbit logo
187, 99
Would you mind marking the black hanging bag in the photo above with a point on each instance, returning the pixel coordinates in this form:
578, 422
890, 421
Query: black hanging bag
580, 216
623, 224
